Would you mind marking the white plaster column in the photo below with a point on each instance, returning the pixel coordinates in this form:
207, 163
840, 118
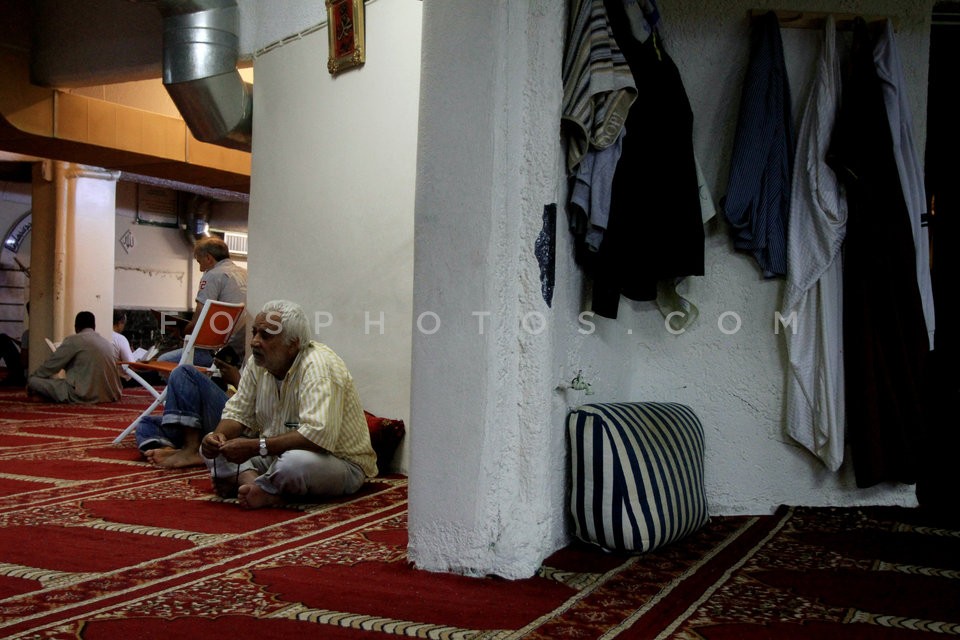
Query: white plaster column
482, 496
72, 256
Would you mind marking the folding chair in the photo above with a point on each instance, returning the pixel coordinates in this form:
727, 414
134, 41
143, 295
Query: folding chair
215, 325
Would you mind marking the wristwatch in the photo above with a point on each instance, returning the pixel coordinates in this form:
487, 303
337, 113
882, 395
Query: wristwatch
263, 446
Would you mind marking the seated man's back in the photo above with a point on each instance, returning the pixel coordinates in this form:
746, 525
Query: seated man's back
89, 365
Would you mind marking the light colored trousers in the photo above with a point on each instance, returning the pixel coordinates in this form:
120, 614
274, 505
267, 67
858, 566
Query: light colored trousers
295, 473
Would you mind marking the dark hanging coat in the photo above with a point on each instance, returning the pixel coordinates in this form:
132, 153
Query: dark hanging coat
885, 336
655, 230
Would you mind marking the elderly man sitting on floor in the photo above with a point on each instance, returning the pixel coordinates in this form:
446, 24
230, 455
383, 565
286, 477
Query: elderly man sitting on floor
295, 427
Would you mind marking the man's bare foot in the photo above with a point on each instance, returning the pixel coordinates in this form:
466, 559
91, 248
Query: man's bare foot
156, 456
251, 496
227, 487
175, 458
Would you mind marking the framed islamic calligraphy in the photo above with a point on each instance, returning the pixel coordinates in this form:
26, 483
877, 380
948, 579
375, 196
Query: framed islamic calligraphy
345, 28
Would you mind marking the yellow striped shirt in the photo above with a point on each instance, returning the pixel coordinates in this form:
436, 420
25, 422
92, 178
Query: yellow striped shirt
317, 395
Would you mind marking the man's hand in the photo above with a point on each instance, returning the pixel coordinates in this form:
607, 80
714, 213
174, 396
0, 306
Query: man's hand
211, 443
226, 440
229, 373
240, 449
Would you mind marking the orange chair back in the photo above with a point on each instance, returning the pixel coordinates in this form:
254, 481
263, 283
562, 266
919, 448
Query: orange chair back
215, 327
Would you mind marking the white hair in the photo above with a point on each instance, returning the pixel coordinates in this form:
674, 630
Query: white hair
293, 321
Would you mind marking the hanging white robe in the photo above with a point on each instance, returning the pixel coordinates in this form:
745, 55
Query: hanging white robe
814, 291
890, 71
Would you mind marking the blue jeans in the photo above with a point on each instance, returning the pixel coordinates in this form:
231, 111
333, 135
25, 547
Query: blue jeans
193, 402
201, 357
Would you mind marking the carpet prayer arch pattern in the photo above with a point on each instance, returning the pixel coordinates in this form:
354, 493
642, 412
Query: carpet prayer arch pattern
96, 543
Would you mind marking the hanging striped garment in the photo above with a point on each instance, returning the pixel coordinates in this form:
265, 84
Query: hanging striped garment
598, 87
813, 294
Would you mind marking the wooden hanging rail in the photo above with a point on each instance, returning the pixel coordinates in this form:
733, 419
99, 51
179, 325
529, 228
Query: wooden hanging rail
797, 19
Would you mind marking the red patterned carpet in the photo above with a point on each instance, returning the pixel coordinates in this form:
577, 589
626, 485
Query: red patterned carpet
95, 543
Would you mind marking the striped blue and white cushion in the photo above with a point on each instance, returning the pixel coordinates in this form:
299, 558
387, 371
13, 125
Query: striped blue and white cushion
636, 474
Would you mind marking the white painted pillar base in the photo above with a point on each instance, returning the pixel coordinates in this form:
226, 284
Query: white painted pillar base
72, 255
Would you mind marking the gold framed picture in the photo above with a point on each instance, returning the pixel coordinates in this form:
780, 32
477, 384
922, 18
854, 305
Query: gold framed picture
345, 26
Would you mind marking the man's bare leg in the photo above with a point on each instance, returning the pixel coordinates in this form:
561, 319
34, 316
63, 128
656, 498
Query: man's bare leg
251, 496
188, 456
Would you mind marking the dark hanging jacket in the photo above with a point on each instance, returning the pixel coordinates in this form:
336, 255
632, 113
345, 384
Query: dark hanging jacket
884, 334
655, 229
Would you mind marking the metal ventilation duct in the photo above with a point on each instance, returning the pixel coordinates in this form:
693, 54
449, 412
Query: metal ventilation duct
197, 223
200, 52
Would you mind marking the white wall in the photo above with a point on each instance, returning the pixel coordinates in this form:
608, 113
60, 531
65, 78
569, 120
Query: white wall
487, 472
332, 192
736, 382
154, 266
265, 23
158, 270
